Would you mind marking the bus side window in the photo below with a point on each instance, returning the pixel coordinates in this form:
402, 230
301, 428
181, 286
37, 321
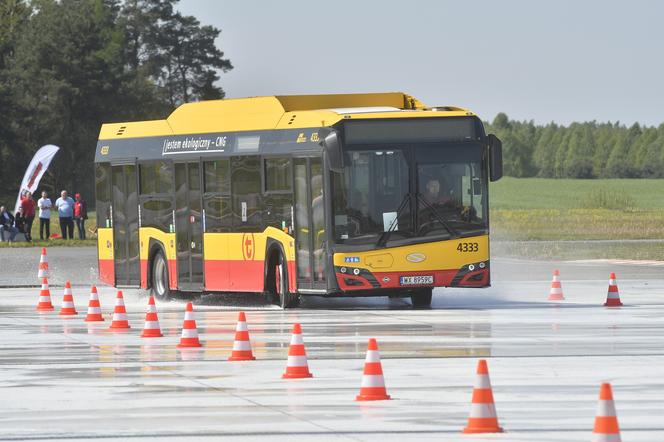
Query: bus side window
216, 196
246, 198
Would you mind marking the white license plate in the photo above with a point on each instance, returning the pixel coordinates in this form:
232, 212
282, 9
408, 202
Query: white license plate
416, 280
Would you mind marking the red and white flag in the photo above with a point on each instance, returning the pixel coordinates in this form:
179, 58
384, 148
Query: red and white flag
35, 171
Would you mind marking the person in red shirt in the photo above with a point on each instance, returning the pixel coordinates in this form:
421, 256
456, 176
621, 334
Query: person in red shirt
28, 205
80, 215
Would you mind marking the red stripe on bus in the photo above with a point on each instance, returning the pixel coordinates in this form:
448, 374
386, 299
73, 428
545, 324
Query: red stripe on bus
239, 276
144, 273
107, 271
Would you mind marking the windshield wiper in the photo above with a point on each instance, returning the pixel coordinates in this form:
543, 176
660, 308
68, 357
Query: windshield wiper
439, 218
382, 240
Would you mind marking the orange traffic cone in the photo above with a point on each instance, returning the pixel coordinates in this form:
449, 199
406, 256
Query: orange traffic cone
68, 308
119, 314
43, 265
483, 418
556, 292
94, 309
151, 328
297, 366
189, 336
606, 423
613, 297
44, 304
241, 345
373, 383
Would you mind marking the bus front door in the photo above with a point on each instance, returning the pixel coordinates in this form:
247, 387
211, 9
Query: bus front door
125, 226
309, 225
188, 226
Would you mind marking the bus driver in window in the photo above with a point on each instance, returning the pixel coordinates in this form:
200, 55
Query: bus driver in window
435, 196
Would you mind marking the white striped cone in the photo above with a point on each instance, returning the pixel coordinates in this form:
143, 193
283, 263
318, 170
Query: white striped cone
119, 314
613, 296
556, 292
241, 344
606, 421
43, 265
44, 304
483, 417
189, 336
68, 308
297, 366
373, 383
94, 309
151, 328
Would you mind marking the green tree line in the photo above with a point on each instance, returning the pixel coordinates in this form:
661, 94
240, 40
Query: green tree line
67, 66
580, 150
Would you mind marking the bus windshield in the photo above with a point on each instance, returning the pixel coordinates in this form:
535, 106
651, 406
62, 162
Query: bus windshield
429, 191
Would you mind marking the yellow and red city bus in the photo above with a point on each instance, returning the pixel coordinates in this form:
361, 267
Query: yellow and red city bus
327, 195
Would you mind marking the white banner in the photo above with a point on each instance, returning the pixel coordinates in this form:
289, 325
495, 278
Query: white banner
36, 169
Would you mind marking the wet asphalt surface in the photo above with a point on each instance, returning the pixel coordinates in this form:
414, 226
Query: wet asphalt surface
65, 379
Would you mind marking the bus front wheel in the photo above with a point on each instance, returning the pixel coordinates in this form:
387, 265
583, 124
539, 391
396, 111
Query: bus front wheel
160, 283
278, 284
422, 298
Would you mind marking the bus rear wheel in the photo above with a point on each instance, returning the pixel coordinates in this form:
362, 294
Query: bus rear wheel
160, 282
278, 284
422, 298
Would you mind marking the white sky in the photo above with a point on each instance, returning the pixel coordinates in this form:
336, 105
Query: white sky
557, 61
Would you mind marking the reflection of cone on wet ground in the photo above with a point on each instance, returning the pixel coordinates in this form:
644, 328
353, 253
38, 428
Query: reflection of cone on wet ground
373, 383
297, 366
119, 314
94, 309
483, 418
241, 345
151, 328
189, 336
556, 292
43, 265
613, 296
606, 422
44, 304
68, 308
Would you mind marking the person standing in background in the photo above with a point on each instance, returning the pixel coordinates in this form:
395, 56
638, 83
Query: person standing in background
7, 225
28, 205
19, 221
80, 215
44, 205
65, 206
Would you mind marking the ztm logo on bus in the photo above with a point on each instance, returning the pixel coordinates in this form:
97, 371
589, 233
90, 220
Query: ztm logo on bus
248, 246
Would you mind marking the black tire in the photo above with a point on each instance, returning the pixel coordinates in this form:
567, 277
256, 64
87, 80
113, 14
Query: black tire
277, 282
422, 298
160, 277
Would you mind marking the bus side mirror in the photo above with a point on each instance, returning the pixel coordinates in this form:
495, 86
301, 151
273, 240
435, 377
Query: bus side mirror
332, 146
495, 158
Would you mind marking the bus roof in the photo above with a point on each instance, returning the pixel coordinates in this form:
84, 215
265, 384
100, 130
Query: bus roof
277, 112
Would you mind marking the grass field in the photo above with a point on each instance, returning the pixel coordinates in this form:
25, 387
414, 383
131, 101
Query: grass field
540, 193
533, 217
547, 209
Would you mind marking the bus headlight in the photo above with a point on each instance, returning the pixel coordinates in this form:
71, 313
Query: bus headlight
482, 265
356, 272
471, 267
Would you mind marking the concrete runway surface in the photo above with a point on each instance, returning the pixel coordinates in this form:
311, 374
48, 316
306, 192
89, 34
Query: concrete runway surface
65, 380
